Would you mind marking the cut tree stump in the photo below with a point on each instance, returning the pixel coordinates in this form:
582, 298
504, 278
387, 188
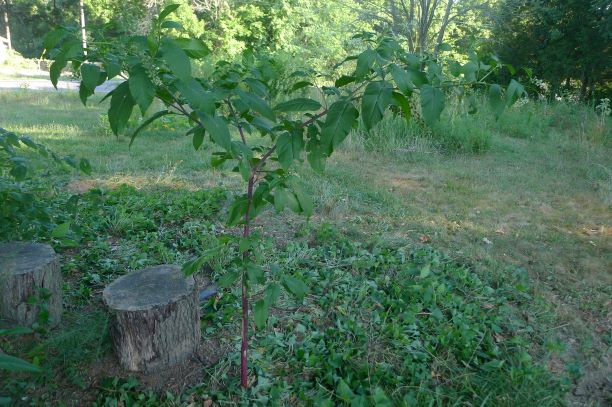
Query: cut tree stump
30, 283
156, 317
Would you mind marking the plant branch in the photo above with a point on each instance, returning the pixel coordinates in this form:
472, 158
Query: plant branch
235, 116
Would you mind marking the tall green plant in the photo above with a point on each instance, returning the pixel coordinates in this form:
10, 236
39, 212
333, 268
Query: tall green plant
244, 98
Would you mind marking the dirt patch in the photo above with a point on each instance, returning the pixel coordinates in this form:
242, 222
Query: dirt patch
176, 379
80, 186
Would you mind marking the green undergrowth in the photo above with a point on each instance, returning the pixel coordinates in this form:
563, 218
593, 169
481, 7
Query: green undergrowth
391, 325
384, 323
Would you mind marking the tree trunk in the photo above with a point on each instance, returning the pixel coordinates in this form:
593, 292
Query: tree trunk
156, 317
7, 28
30, 283
83, 33
445, 21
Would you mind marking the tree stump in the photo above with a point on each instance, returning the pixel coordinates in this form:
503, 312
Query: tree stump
156, 317
30, 283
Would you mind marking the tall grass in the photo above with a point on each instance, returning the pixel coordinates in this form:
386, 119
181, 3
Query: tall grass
459, 132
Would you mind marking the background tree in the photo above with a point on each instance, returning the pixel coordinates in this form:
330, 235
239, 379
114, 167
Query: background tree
565, 42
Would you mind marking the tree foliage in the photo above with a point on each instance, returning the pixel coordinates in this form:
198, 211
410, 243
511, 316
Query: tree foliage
562, 41
294, 117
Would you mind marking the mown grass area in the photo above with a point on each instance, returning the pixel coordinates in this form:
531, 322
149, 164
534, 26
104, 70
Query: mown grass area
469, 265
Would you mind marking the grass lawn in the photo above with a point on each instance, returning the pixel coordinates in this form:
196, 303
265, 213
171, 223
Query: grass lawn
523, 229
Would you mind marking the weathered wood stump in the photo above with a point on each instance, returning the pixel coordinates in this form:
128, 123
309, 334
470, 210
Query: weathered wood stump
156, 317
30, 283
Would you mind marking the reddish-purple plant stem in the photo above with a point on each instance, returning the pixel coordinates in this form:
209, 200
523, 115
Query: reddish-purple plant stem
244, 362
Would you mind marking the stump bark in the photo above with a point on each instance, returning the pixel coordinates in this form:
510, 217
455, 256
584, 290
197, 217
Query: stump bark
30, 283
156, 317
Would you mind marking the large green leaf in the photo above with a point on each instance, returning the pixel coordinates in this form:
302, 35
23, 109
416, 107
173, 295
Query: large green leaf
142, 88
401, 78
305, 200
295, 286
375, 100
167, 11
13, 364
121, 107
260, 311
514, 92
339, 121
256, 104
56, 69
288, 148
176, 59
495, 99
298, 105
432, 103
365, 62
199, 99
218, 130
402, 102
194, 47
90, 74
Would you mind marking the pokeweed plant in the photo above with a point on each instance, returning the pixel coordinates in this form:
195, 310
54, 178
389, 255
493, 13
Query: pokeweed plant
242, 98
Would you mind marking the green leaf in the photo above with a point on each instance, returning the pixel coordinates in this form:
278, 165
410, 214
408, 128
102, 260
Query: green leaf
401, 78
339, 121
141, 87
176, 59
121, 107
514, 92
469, 71
375, 100
237, 211
303, 198
112, 68
344, 80
193, 47
61, 231
150, 120
5, 401
56, 69
218, 130
417, 77
199, 99
13, 364
255, 274
271, 294
54, 37
344, 391
381, 399
365, 62
256, 104
495, 99
432, 103
172, 25
288, 148
90, 75
295, 286
425, 271
198, 137
260, 311
298, 105
228, 279
300, 85
15, 331
167, 11
401, 102
444, 47
85, 166
196, 264
280, 199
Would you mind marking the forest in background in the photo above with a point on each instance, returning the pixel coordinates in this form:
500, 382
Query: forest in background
565, 43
